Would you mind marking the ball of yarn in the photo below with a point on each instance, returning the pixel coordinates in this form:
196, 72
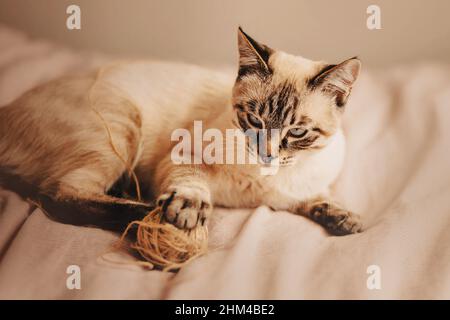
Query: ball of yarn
164, 245
159, 243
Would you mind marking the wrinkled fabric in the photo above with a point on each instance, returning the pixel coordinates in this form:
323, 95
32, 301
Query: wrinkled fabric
396, 176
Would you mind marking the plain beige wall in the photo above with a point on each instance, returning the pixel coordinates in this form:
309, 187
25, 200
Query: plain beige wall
204, 31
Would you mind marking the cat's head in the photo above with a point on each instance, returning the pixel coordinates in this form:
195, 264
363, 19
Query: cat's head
301, 98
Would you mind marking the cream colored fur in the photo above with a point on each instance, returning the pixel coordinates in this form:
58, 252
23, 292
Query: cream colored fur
52, 138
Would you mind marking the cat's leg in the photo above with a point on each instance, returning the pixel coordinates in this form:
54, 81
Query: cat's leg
78, 200
94, 210
183, 193
334, 218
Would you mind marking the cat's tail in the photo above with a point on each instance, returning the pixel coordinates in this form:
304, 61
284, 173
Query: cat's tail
103, 211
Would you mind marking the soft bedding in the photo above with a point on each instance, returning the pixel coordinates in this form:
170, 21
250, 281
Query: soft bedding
396, 176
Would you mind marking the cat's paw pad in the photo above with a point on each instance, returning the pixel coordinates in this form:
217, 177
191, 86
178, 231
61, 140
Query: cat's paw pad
185, 207
336, 220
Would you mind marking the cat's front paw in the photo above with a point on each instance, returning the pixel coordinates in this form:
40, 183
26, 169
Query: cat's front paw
185, 207
336, 220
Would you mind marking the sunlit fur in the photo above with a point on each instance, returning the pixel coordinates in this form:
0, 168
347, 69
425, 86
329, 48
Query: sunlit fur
51, 137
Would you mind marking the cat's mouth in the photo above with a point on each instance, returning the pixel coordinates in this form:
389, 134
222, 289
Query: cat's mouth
271, 161
285, 161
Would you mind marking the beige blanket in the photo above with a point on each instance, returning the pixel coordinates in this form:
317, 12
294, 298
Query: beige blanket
396, 175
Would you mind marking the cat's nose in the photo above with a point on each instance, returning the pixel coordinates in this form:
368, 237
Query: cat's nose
267, 158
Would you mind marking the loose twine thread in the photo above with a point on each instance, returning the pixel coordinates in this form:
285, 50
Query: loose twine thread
158, 242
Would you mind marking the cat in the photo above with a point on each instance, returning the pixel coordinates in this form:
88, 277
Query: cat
56, 139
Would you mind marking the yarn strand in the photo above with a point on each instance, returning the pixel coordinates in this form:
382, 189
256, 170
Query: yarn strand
157, 242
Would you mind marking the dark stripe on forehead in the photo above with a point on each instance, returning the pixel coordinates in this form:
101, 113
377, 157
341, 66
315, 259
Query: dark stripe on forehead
285, 113
294, 118
277, 108
252, 105
262, 108
273, 101
284, 102
271, 104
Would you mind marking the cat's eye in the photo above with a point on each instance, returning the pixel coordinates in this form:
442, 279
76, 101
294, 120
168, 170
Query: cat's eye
297, 132
254, 121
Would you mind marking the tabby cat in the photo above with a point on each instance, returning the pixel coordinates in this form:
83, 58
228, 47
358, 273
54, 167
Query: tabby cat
72, 142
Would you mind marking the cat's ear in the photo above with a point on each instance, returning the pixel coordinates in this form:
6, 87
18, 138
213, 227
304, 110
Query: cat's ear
253, 56
337, 80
